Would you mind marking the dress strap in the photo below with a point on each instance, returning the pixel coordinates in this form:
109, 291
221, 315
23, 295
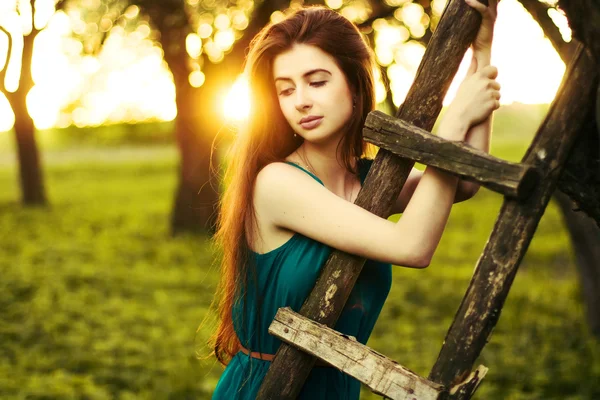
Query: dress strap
305, 170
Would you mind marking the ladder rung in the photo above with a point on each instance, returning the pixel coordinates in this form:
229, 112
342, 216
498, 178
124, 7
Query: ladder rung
381, 374
416, 144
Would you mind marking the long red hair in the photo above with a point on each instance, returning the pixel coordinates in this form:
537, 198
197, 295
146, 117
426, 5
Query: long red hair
267, 137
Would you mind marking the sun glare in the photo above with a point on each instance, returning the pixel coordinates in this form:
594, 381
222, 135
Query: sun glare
236, 104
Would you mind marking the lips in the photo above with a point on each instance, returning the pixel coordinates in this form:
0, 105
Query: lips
309, 118
310, 122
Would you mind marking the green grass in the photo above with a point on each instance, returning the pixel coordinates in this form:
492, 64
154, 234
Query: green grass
98, 302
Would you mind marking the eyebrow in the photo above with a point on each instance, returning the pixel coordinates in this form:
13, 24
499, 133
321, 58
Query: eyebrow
312, 71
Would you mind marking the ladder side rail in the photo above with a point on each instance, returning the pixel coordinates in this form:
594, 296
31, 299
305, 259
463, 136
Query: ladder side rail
480, 309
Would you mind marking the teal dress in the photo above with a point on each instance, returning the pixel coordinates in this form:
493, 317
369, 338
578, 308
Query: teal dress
285, 276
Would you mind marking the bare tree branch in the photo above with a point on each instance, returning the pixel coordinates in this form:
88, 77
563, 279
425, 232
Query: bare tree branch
380, 10
8, 52
539, 12
33, 11
120, 15
60, 5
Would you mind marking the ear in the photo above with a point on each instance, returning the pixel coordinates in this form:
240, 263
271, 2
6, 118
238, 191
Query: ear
354, 94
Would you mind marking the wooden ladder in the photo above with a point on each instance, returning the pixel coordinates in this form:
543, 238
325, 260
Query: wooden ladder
404, 140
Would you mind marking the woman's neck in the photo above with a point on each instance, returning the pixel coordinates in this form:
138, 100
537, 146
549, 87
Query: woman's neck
327, 166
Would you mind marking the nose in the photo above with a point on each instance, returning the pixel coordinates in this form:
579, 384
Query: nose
303, 102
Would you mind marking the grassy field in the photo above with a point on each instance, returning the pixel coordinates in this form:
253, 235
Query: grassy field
98, 302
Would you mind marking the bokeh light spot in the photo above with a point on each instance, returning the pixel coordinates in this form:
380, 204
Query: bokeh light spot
196, 78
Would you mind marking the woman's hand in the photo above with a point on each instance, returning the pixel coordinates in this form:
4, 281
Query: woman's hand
479, 93
483, 40
477, 97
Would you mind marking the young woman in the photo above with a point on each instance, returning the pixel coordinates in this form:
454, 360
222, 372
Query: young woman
295, 171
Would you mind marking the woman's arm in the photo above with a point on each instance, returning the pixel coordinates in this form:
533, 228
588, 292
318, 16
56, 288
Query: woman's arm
433, 196
478, 136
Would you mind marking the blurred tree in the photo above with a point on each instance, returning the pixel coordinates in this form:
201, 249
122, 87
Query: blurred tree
24, 22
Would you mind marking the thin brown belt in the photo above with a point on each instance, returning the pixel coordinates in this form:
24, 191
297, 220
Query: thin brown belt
270, 357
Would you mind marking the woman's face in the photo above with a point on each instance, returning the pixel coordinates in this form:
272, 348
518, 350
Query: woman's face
313, 93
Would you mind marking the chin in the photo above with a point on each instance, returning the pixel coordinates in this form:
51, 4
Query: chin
323, 134
320, 139
318, 134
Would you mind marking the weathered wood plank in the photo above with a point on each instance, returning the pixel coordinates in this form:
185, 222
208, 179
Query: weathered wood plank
382, 375
454, 34
414, 143
466, 389
516, 224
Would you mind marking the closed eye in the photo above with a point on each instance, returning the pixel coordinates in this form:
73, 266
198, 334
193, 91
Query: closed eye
287, 92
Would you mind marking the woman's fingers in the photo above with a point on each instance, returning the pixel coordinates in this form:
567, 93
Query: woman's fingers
489, 11
493, 6
482, 8
489, 71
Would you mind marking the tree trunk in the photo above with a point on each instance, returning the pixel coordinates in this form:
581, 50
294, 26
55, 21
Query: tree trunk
580, 177
585, 238
194, 208
196, 196
197, 124
584, 21
30, 173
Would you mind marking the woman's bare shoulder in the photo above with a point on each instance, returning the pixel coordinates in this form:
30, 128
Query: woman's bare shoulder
290, 199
